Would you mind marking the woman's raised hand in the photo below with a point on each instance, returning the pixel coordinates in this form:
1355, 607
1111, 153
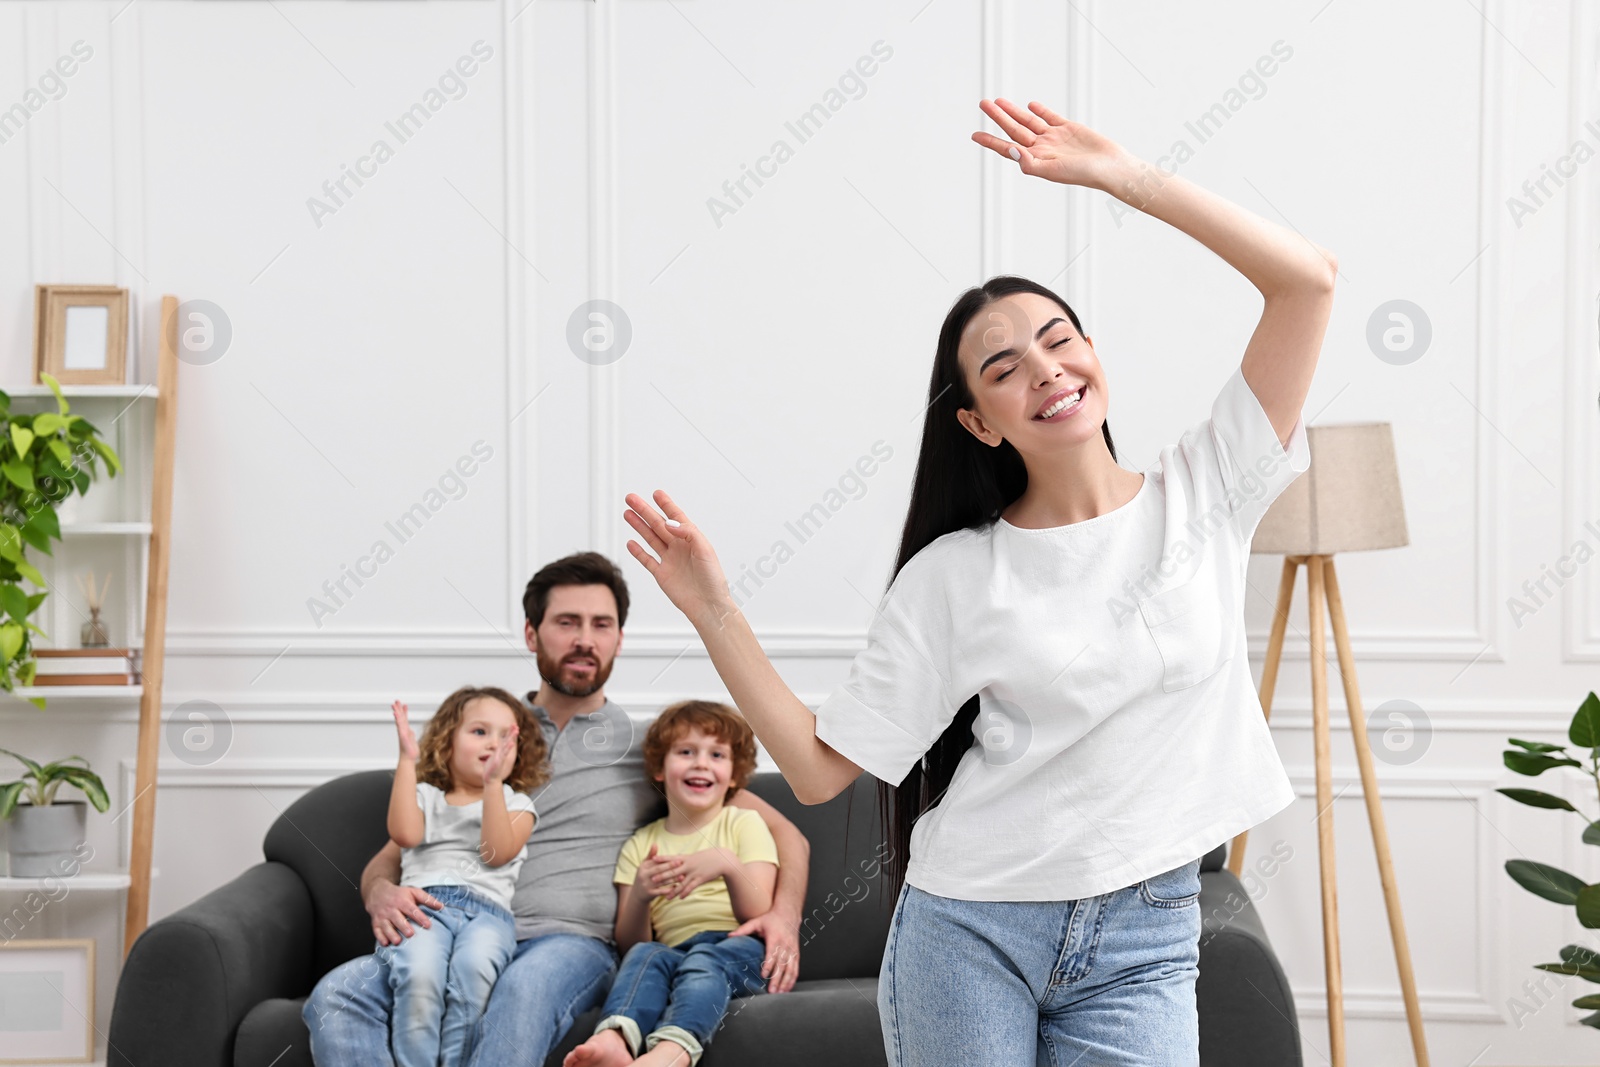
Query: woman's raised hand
402, 725
1048, 146
687, 569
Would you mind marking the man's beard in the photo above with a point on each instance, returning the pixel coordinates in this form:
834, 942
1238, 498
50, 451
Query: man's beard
550, 671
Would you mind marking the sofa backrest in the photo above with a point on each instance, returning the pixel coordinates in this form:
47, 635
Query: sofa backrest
330, 833
845, 923
327, 837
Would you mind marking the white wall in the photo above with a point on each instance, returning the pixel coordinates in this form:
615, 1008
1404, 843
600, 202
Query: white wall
376, 345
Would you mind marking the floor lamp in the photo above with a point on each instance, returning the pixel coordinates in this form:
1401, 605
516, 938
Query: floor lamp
1347, 501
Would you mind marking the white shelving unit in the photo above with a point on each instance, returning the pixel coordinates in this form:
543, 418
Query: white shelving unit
85, 882
120, 528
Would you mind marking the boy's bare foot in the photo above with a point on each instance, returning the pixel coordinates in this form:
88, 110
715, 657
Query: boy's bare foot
605, 1049
665, 1054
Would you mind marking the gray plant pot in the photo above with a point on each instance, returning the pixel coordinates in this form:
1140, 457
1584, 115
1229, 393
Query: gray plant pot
41, 841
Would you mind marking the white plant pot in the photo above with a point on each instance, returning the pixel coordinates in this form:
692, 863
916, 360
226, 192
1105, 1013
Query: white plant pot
42, 841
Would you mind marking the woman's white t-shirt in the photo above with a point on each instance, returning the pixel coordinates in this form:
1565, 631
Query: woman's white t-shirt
1119, 734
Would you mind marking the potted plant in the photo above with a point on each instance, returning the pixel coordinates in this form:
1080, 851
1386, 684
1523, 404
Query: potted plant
1534, 758
45, 832
44, 458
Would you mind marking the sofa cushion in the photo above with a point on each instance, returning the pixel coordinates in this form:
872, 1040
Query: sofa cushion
833, 1021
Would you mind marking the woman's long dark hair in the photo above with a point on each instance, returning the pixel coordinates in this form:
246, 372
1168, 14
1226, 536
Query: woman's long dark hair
960, 483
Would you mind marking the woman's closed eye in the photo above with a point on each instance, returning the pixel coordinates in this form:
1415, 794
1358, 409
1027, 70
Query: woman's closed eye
1006, 373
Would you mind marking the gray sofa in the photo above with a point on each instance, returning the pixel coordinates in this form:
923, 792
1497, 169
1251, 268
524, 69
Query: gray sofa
221, 982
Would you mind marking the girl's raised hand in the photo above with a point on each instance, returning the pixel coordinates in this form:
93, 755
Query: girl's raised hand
402, 725
687, 569
501, 759
1048, 146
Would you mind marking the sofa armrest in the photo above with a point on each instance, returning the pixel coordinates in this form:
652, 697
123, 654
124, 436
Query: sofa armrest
1247, 1012
192, 977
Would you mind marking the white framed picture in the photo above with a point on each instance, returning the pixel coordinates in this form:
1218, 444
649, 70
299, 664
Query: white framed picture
47, 1001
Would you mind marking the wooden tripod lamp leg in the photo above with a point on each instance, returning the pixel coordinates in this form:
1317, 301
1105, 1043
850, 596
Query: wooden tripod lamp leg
1380, 834
1325, 845
1269, 677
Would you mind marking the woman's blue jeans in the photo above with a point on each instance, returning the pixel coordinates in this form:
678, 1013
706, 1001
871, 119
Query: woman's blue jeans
442, 975
680, 993
1106, 980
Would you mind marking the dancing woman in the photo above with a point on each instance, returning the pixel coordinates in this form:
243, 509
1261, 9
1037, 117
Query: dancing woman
1055, 694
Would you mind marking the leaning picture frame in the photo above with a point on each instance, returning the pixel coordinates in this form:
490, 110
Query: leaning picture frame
80, 334
47, 1001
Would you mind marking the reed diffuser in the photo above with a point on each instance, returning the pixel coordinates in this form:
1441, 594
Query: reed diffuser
93, 634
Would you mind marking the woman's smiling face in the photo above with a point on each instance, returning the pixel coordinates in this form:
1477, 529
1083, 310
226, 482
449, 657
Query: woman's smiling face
1022, 358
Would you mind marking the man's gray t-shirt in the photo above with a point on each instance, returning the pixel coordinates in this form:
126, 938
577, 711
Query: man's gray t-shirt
597, 796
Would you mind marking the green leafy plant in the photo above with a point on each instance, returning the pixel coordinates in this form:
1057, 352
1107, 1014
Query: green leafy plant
42, 780
44, 458
1534, 758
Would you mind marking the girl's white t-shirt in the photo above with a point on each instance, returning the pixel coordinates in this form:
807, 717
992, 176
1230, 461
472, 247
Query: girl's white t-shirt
1119, 733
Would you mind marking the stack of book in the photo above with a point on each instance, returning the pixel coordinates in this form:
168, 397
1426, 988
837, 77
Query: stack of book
86, 666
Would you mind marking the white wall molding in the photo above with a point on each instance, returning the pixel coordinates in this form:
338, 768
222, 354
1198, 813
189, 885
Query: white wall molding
809, 643
1471, 786
1580, 501
523, 370
995, 197
605, 387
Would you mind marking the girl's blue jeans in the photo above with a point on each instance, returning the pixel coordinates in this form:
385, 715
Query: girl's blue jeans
1106, 980
442, 974
680, 993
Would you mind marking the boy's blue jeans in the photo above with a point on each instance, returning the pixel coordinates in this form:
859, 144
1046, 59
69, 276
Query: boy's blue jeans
680, 992
441, 976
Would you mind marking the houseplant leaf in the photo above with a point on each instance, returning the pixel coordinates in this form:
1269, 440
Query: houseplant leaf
44, 520
1536, 746
1585, 728
55, 387
113, 464
1546, 881
14, 602
29, 571
89, 782
8, 797
33, 768
18, 473
1583, 957
1588, 974
10, 641
1589, 906
22, 438
1535, 799
35, 537
1529, 763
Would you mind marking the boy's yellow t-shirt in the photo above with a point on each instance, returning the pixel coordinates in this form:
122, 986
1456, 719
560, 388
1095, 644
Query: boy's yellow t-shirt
739, 830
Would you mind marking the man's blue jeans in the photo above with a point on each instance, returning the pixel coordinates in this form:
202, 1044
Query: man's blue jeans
550, 981
679, 993
440, 978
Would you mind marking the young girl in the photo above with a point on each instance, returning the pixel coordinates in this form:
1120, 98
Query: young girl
1055, 693
460, 814
671, 992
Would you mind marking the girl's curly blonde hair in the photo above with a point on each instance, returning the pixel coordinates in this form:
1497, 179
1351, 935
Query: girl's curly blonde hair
438, 741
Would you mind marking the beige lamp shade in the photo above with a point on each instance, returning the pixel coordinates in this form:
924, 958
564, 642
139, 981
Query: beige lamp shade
1348, 500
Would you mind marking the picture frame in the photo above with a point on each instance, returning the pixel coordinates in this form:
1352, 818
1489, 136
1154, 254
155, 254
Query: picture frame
48, 985
80, 334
